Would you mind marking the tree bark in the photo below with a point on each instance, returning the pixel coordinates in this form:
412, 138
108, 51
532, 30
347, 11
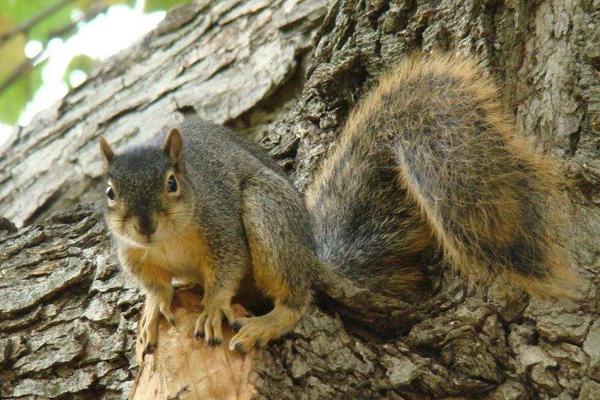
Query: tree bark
287, 73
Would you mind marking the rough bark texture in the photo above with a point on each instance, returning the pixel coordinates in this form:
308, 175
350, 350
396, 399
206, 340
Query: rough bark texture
288, 72
227, 61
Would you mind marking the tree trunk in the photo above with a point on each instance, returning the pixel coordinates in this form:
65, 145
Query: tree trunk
287, 73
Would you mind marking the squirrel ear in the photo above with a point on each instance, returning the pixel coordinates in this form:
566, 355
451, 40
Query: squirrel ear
172, 147
106, 150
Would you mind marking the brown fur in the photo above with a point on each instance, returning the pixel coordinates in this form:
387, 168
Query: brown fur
427, 166
465, 183
233, 216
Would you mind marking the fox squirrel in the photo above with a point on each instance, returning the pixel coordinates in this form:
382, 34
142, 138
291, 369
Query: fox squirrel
428, 163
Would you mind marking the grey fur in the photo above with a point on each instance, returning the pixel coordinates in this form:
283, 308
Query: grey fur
224, 172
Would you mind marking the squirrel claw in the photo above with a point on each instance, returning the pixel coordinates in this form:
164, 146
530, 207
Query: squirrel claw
209, 323
253, 332
238, 347
149, 349
148, 335
165, 310
236, 325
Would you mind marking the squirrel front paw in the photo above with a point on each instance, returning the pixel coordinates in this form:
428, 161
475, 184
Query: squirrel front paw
210, 320
148, 335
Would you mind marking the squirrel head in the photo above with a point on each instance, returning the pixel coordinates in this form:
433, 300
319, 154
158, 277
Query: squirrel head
148, 198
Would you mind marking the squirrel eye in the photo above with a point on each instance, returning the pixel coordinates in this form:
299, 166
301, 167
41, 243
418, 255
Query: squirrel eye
172, 184
110, 193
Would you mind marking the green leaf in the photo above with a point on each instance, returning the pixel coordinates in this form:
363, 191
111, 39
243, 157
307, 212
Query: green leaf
14, 99
21, 11
14, 12
155, 5
15, 96
53, 22
81, 63
35, 78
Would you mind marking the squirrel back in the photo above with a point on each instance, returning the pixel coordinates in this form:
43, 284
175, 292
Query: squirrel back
429, 165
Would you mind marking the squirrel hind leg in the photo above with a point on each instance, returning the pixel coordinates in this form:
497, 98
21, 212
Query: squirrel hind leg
279, 239
258, 331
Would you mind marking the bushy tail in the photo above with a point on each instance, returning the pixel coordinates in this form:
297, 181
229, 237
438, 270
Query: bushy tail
429, 164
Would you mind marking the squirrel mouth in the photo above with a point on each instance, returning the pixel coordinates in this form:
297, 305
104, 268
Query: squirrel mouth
141, 240
148, 240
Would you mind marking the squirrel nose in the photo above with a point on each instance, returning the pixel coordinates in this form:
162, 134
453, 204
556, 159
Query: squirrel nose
145, 226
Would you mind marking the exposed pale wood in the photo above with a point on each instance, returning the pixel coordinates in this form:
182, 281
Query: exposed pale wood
183, 367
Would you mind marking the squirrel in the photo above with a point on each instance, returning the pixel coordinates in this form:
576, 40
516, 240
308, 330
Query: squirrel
199, 203
428, 164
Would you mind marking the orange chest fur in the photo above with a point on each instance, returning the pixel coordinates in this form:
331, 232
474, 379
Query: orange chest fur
185, 256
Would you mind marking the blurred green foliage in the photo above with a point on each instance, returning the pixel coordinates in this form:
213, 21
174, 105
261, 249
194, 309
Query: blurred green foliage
42, 20
155, 5
78, 63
